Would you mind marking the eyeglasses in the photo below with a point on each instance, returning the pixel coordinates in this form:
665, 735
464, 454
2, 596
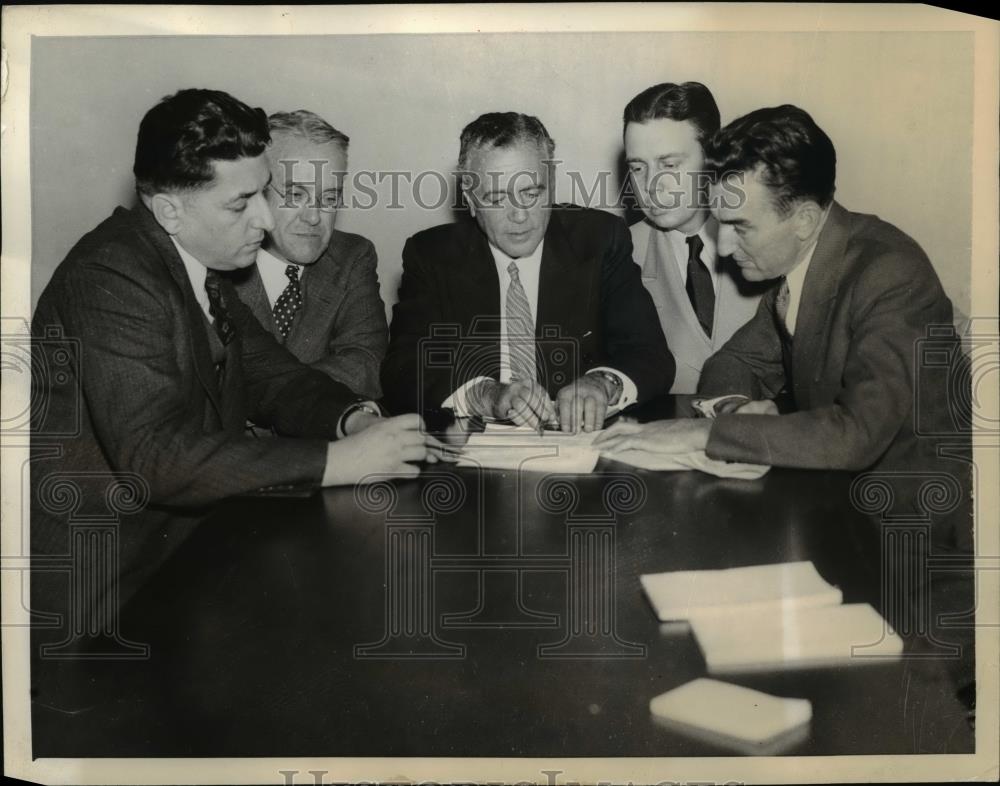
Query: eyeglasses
298, 197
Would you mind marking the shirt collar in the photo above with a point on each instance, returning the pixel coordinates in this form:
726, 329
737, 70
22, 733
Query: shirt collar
707, 232
796, 276
502, 259
196, 272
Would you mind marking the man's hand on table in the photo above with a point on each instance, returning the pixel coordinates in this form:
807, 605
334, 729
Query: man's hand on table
523, 403
663, 437
583, 403
668, 437
388, 446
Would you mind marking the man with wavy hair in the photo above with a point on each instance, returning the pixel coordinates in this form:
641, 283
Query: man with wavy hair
171, 364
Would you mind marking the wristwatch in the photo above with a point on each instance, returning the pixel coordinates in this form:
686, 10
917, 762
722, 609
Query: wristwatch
616, 385
361, 405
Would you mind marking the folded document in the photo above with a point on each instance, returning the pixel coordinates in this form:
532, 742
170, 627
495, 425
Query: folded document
696, 459
523, 449
850, 634
748, 720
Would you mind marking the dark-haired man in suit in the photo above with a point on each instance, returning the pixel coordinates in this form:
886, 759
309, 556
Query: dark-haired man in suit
839, 331
171, 363
575, 335
840, 337
314, 287
701, 297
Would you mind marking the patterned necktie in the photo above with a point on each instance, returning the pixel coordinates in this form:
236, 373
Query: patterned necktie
520, 329
221, 321
288, 302
781, 304
699, 285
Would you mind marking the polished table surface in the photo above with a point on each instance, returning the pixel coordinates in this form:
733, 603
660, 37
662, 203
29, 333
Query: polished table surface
476, 613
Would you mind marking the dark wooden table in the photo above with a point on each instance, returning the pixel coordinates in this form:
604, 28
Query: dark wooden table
476, 613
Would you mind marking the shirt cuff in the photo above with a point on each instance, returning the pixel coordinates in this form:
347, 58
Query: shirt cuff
630, 393
371, 406
458, 402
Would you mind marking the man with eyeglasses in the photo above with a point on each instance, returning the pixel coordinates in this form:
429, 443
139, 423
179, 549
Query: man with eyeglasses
314, 287
554, 326
169, 364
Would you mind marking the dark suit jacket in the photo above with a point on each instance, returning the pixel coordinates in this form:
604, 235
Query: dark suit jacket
868, 299
592, 311
141, 395
341, 328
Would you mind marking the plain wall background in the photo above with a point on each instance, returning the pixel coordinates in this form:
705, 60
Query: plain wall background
898, 107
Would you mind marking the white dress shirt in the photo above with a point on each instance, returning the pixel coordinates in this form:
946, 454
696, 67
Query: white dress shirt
528, 272
197, 273
796, 279
678, 242
272, 274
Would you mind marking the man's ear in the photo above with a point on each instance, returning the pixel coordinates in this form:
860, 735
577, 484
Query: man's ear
168, 210
807, 217
470, 201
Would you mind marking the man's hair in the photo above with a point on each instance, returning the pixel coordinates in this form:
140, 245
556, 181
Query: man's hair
309, 126
182, 136
502, 129
793, 156
668, 101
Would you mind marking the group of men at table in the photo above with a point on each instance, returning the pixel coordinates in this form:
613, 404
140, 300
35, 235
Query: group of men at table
226, 297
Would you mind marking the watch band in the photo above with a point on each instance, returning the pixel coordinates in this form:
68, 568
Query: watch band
616, 382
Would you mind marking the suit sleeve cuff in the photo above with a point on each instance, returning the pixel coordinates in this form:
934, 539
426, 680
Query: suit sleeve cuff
367, 406
459, 402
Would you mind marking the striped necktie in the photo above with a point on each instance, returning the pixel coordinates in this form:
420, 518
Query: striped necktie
220, 316
520, 329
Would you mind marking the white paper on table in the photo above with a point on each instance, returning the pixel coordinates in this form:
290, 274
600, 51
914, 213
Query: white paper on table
696, 459
521, 448
795, 637
731, 713
683, 594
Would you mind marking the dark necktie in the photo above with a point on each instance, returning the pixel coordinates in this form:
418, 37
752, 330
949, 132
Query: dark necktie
288, 302
222, 323
781, 304
699, 285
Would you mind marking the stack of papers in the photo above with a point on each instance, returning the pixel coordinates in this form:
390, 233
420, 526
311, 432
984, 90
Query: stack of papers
834, 635
733, 716
681, 595
770, 616
523, 449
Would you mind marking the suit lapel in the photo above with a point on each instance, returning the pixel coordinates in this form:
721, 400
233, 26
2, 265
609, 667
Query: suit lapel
193, 314
474, 294
819, 297
564, 294
254, 295
322, 294
476, 284
561, 288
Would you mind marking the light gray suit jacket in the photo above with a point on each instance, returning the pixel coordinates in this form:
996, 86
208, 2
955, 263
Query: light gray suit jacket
341, 328
735, 303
